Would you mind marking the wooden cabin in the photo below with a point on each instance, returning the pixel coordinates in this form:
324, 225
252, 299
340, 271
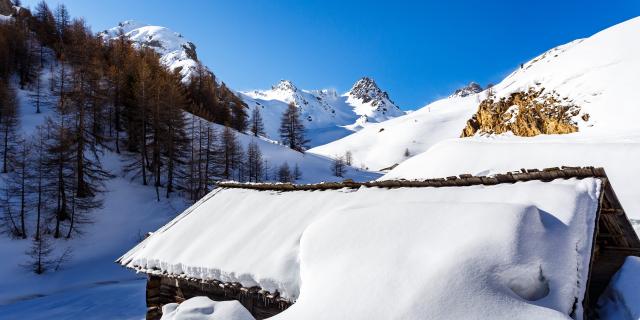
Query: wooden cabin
613, 240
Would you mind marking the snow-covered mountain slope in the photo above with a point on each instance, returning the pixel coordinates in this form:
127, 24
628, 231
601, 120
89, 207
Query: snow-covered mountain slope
129, 211
315, 168
593, 82
587, 84
598, 75
177, 53
370, 102
327, 115
382, 145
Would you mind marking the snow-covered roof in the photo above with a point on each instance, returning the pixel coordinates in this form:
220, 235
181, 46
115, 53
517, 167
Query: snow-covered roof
508, 246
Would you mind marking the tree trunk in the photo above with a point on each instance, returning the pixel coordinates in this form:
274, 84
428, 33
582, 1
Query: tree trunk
6, 148
22, 198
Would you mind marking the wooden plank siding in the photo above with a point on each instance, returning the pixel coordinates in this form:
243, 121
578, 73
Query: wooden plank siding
164, 289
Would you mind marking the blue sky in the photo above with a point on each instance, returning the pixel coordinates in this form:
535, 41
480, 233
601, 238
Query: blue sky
416, 50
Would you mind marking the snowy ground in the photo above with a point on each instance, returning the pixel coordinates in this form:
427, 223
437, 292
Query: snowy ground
381, 145
120, 224
123, 300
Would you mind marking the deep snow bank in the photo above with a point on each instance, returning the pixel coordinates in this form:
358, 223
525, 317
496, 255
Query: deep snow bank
621, 300
521, 249
203, 308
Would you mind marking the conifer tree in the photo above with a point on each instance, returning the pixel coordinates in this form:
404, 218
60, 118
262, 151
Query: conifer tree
338, 166
138, 118
59, 162
254, 162
228, 153
190, 181
284, 173
45, 24
40, 255
63, 20
39, 176
297, 173
348, 158
174, 138
8, 123
266, 168
256, 126
292, 129
38, 95
238, 113
19, 183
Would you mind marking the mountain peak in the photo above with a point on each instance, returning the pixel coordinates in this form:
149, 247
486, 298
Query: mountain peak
471, 88
369, 100
176, 52
366, 89
284, 85
366, 81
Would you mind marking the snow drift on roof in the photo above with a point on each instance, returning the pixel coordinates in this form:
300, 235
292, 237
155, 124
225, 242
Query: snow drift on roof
520, 248
203, 308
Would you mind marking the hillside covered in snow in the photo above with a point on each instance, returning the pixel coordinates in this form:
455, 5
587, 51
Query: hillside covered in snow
327, 115
177, 53
596, 75
66, 125
578, 91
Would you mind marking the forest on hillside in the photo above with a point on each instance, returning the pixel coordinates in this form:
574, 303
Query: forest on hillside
107, 96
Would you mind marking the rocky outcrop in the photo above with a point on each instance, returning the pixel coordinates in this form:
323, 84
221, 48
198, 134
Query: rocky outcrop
525, 114
368, 91
368, 99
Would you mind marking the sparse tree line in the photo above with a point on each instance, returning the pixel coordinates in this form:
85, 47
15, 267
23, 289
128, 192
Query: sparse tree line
103, 97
